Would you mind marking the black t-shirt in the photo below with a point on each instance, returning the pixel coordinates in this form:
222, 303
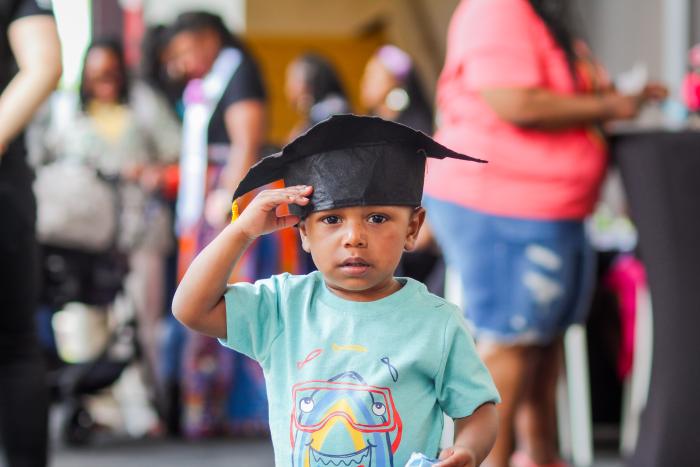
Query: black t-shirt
15, 175
246, 83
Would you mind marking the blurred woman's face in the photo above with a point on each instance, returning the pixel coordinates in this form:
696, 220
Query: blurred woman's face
375, 84
102, 75
191, 54
295, 88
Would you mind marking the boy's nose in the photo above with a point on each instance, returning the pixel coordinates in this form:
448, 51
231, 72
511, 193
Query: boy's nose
355, 236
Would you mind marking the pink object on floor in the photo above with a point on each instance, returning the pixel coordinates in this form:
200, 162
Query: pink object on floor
520, 459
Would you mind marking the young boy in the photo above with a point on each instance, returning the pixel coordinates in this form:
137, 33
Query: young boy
359, 365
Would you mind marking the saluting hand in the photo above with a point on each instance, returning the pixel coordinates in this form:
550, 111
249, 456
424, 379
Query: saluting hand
261, 216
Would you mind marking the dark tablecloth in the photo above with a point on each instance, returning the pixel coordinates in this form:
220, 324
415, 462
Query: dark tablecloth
661, 174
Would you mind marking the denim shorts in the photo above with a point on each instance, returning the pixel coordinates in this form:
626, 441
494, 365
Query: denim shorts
524, 280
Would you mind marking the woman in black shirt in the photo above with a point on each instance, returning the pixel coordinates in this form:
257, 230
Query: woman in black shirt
223, 126
30, 66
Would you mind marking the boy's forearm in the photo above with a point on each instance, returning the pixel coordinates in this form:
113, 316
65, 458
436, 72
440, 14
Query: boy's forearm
477, 432
204, 283
199, 300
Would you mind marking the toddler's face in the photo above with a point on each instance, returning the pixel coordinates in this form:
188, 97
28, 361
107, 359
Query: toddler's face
357, 249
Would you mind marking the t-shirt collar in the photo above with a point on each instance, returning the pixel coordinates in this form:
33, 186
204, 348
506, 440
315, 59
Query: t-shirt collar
393, 302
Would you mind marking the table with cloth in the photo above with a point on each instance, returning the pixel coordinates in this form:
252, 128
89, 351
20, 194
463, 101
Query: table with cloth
661, 174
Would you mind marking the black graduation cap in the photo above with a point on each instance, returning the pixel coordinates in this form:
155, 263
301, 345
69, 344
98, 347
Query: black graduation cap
352, 161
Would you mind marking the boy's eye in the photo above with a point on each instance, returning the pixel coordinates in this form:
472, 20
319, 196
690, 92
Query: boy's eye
331, 220
378, 218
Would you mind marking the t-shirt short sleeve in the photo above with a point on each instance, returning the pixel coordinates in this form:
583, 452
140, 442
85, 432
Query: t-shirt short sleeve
10, 11
499, 45
253, 319
33, 7
463, 383
246, 83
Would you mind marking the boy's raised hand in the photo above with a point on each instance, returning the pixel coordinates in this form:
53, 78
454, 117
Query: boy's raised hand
260, 216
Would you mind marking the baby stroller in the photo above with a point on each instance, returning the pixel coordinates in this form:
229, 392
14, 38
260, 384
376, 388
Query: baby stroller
93, 338
83, 289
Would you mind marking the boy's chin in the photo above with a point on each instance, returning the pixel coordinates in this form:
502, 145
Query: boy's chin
354, 281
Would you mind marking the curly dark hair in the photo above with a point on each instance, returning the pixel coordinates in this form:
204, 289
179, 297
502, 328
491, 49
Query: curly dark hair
194, 21
319, 77
152, 71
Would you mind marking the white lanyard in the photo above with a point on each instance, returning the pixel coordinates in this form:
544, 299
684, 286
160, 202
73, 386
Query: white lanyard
200, 97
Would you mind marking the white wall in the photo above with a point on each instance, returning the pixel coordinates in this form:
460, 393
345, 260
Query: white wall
624, 32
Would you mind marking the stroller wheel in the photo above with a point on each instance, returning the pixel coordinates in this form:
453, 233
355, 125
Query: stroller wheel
78, 427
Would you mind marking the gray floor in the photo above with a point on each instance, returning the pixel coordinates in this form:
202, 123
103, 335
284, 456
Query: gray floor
170, 453
173, 453
110, 450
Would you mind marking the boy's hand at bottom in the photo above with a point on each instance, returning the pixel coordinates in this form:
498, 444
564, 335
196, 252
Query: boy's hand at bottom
474, 438
456, 456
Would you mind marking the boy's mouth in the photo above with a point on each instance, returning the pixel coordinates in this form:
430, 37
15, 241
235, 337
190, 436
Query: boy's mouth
354, 266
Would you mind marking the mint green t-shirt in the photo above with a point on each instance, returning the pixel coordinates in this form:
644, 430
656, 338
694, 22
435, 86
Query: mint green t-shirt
356, 383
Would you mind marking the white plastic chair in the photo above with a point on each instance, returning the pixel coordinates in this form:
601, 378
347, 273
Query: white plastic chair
636, 387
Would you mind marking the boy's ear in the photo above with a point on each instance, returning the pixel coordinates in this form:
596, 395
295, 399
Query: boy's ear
415, 223
304, 238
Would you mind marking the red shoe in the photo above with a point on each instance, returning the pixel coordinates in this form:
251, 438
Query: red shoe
520, 459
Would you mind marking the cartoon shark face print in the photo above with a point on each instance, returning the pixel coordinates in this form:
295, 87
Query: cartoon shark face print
343, 422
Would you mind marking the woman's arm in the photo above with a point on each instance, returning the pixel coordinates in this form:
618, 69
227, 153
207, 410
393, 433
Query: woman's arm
36, 48
544, 109
199, 299
245, 124
474, 438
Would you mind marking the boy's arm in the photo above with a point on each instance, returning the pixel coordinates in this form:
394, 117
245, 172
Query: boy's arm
199, 299
474, 438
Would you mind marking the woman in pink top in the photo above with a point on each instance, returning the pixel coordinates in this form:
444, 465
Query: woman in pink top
518, 90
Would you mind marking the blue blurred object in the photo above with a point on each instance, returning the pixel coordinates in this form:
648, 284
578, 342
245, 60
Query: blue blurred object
420, 460
675, 112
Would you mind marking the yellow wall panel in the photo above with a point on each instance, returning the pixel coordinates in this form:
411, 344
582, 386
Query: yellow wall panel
348, 56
